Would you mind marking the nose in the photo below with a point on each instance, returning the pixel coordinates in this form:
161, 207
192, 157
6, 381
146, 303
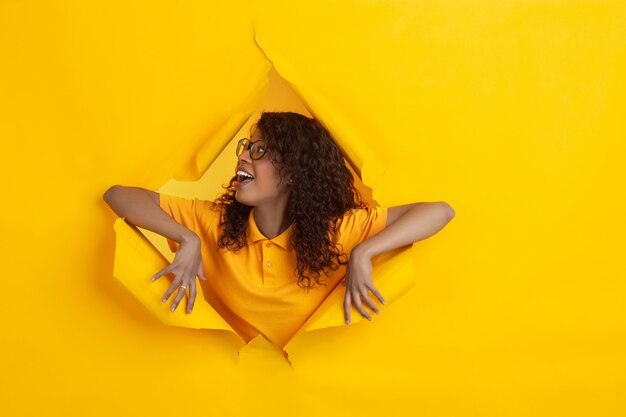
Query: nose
245, 156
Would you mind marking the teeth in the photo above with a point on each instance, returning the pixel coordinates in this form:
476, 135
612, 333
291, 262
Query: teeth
244, 175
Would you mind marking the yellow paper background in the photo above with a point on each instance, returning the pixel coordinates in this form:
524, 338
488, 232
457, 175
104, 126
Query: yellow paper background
511, 111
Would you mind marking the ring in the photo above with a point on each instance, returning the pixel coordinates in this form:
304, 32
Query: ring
184, 287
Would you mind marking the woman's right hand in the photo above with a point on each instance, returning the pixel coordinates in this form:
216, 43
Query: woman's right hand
186, 265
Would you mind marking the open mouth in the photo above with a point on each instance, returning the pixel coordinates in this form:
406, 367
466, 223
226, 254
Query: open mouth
244, 179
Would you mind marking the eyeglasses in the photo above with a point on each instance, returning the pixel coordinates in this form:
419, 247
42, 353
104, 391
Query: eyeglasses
257, 149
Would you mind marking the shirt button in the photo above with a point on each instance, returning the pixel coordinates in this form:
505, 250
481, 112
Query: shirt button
269, 265
268, 245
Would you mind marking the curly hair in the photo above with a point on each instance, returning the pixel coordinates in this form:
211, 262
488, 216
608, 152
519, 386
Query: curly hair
321, 193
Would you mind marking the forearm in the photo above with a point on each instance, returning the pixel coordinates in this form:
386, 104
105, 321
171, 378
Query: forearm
137, 207
418, 223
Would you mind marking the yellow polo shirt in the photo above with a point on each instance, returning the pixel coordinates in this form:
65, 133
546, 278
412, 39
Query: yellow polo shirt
255, 289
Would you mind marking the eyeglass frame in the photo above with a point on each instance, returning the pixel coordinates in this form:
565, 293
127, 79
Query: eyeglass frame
250, 147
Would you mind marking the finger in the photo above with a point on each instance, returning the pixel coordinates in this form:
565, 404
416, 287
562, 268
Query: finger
192, 296
368, 300
170, 290
179, 296
346, 306
357, 303
160, 273
376, 293
201, 272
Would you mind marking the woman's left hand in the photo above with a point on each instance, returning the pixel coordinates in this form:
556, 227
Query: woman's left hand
358, 282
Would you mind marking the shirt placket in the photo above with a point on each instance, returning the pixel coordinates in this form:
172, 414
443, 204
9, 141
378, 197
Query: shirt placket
269, 257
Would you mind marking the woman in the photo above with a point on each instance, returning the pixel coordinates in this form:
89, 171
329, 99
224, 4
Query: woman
290, 221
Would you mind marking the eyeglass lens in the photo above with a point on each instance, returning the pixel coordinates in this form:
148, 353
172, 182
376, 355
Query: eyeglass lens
257, 149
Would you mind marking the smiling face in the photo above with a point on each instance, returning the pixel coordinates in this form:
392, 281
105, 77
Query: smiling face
264, 189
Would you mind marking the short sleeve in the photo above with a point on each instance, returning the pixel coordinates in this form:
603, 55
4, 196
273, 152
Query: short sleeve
358, 225
195, 214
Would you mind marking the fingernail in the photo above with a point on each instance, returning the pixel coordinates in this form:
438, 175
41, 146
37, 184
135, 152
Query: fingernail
369, 318
172, 309
163, 300
348, 321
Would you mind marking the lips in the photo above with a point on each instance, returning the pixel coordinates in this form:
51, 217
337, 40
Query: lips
244, 170
242, 176
244, 182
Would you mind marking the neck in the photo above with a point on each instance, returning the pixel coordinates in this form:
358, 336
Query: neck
271, 218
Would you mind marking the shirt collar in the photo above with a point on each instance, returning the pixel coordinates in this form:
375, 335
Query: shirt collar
254, 234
